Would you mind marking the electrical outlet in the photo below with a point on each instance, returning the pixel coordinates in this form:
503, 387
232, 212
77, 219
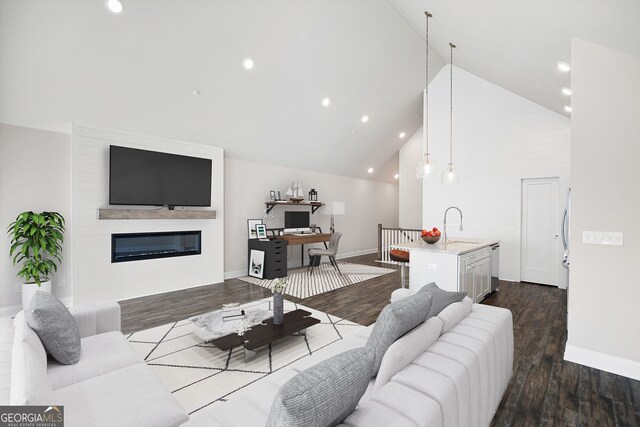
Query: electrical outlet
432, 266
607, 238
18, 288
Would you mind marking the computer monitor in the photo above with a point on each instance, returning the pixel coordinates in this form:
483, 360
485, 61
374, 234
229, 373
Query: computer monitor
296, 221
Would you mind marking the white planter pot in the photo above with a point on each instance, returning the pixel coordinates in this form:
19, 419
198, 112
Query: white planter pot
30, 289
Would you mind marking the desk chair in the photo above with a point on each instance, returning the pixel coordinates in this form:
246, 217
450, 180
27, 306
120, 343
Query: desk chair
402, 258
315, 254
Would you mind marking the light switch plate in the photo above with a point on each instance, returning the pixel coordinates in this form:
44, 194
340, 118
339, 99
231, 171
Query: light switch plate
607, 238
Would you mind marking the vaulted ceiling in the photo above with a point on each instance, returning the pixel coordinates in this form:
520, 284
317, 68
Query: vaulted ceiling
516, 44
173, 68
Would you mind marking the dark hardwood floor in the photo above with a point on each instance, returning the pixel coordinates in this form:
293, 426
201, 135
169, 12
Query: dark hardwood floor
544, 390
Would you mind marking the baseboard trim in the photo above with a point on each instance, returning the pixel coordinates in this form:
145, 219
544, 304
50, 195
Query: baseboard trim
604, 362
293, 264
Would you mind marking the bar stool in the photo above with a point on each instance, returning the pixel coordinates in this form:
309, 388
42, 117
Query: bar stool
401, 257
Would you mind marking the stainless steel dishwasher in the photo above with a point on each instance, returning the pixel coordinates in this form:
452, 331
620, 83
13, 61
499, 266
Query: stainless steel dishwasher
495, 266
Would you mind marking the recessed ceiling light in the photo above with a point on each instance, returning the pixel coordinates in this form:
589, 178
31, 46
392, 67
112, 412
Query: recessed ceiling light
196, 92
365, 119
564, 67
326, 102
247, 63
567, 108
370, 170
396, 176
114, 6
402, 135
566, 91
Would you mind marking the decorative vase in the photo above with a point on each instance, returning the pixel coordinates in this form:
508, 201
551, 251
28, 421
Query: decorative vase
30, 289
278, 309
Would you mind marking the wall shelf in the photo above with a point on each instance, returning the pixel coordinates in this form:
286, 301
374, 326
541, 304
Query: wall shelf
314, 206
155, 214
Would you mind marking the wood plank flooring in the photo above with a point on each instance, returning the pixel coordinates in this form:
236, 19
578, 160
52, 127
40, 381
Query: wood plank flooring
544, 390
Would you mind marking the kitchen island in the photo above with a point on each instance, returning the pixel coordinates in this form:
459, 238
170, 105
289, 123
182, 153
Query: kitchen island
458, 265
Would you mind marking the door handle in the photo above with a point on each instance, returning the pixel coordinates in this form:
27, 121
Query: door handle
556, 236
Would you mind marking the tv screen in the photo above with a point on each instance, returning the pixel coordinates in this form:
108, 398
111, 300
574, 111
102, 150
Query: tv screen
141, 177
294, 219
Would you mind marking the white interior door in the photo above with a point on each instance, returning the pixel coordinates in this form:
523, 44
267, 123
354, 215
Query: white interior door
540, 229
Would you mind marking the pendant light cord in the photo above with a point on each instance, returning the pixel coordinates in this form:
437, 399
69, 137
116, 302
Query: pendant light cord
425, 111
451, 106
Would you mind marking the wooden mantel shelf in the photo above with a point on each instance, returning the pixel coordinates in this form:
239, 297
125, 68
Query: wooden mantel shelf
155, 214
314, 205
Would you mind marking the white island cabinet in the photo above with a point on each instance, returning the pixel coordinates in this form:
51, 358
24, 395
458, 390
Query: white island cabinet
459, 265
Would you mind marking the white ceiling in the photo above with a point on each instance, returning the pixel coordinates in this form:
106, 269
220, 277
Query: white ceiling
68, 60
516, 44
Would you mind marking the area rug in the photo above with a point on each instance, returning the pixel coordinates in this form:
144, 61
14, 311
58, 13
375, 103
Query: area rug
325, 278
200, 375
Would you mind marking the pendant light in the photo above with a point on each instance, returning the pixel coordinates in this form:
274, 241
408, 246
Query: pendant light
450, 176
426, 167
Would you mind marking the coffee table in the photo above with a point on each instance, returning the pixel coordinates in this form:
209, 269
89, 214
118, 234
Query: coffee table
296, 321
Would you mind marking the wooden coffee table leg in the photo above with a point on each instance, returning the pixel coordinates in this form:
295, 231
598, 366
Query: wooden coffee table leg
249, 355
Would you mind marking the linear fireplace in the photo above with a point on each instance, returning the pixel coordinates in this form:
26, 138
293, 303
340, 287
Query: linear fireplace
139, 246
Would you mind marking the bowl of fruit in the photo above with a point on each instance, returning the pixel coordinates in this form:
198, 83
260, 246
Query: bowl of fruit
431, 236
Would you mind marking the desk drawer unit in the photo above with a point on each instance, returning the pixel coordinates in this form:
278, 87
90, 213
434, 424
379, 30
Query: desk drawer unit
275, 256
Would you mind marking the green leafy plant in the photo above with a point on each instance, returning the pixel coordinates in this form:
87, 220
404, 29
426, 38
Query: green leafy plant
36, 242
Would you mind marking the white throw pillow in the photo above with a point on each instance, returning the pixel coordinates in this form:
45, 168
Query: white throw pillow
406, 348
454, 313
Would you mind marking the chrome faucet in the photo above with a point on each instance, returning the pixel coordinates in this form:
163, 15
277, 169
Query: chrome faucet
444, 228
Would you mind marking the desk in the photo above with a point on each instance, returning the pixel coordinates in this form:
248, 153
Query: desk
293, 239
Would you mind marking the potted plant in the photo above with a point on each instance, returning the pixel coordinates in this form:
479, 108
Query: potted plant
36, 244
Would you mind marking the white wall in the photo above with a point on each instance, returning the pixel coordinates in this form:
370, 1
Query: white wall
604, 291
35, 174
499, 139
410, 187
95, 277
247, 186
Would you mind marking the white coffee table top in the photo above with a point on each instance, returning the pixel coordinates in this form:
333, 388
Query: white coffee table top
211, 326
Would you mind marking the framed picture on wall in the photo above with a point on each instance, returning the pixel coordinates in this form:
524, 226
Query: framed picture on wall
256, 263
261, 231
272, 196
251, 226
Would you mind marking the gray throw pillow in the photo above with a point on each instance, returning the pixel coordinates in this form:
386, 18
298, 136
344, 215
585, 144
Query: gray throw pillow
441, 299
325, 394
56, 327
395, 320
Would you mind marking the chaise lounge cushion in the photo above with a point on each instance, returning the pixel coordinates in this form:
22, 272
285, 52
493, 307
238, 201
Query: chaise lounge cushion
106, 400
101, 354
441, 299
324, 394
395, 320
55, 326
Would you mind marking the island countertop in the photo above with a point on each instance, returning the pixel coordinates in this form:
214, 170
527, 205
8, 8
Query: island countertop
454, 246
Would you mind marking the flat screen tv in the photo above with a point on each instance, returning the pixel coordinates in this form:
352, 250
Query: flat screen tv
141, 177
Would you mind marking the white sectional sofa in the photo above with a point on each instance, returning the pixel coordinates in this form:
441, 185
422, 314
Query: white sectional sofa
450, 371
111, 385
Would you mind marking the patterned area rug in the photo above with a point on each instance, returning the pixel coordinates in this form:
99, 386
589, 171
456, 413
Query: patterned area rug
324, 278
200, 375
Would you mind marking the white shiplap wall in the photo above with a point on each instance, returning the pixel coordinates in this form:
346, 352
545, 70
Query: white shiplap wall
95, 277
499, 138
